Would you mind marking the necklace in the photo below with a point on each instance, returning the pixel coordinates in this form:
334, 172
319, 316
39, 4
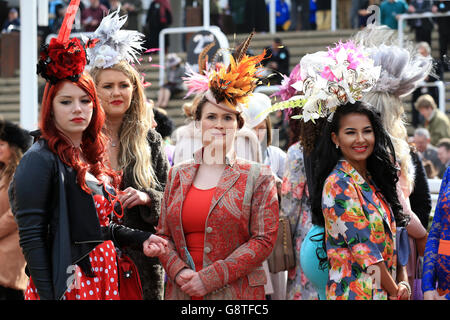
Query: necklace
113, 144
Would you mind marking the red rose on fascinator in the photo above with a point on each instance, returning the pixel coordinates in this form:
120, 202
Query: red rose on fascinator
60, 61
64, 58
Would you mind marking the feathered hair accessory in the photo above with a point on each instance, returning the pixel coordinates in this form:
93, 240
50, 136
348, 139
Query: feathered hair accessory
64, 58
402, 68
227, 85
115, 45
326, 80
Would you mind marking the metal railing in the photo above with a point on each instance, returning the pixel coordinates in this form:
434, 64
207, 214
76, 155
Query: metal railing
406, 16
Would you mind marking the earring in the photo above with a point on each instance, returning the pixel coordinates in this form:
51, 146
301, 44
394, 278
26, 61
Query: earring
337, 146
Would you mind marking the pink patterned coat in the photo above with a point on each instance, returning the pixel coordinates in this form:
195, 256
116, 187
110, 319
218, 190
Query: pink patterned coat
240, 230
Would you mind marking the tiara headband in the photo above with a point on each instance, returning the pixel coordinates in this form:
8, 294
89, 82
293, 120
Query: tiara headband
64, 58
115, 45
226, 86
326, 80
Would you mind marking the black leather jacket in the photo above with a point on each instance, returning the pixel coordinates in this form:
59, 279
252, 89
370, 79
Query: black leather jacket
58, 223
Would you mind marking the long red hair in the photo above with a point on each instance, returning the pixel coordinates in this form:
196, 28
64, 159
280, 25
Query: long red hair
92, 146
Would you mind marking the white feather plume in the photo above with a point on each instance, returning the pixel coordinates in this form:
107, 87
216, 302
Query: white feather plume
115, 44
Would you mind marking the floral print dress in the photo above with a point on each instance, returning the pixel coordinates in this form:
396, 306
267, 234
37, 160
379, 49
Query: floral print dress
359, 233
294, 206
436, 265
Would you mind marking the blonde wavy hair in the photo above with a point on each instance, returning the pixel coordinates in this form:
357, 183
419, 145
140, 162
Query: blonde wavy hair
402, 70
392, 115
134, 149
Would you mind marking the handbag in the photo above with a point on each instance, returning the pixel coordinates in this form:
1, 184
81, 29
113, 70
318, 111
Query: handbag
282, 256
402, 246
417, 282
130, 287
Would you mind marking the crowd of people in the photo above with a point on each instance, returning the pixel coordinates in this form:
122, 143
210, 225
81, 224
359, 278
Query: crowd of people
123, 206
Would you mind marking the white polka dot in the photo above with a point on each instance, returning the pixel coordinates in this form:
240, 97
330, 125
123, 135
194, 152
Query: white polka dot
91, 292
107, 292
82, 284
96, 269
101, 259
112, 280
101, 269
101, 249
115, 292
79, 274
96, 279
88, 282
106, 254
84, 295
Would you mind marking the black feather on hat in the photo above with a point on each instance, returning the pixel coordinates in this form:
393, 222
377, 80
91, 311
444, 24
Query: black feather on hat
14, 135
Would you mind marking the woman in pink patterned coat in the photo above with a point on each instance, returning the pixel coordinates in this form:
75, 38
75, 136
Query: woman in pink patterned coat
219, 214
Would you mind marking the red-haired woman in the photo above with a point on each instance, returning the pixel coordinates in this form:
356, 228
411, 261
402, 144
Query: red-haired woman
64, 222
63, 193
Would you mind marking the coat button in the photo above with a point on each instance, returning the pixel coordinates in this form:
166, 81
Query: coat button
207, 249
209, 230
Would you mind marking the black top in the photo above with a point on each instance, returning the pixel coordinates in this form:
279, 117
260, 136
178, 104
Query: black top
57, 220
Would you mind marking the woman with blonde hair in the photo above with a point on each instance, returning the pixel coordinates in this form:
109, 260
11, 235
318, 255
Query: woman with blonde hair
64, 194
134, 148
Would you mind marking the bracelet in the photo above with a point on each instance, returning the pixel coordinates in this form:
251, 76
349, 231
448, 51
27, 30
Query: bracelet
406, 284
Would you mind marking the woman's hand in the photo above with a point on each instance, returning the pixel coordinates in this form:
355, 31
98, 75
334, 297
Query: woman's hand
155, 246
429, 295
402, 293
184, 276
131, 197
433, 295
195, 287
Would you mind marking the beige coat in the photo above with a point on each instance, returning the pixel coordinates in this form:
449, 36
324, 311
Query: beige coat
12, 262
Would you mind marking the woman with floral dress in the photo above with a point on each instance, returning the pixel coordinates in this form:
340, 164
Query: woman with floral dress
356, 199
295, 206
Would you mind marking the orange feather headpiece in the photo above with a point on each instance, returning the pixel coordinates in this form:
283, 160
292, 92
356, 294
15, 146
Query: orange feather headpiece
229, 85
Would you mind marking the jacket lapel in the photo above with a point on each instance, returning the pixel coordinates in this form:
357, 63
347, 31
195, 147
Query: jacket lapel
364, 188
229, 177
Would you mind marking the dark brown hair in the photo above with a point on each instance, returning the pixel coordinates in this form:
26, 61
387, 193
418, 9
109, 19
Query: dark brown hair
198, 113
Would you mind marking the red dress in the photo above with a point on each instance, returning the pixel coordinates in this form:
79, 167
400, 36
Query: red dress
104, 286
195, 211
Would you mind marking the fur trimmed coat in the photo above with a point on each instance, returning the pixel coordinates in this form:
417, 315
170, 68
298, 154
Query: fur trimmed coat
146, 218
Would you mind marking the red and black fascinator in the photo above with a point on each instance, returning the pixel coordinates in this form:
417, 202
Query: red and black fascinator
64, 58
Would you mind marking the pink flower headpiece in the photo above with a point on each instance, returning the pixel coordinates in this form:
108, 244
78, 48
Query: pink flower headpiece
329, 79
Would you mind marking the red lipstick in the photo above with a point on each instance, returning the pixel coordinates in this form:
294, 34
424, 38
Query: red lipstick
116, 102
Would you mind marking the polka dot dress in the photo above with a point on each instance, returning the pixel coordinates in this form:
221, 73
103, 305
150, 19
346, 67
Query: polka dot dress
104, 286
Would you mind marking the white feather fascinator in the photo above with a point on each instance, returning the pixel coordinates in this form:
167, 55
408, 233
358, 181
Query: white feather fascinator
402, 68
115, 45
